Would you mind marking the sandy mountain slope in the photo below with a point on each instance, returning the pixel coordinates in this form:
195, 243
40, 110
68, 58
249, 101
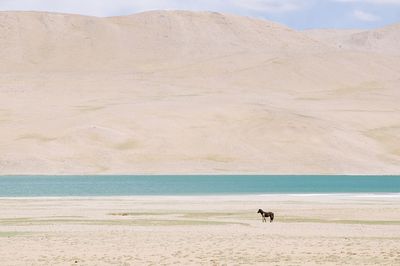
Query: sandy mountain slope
58, 42
185, 92
385, 40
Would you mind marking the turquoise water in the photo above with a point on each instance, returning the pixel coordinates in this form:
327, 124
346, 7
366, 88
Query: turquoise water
44, 186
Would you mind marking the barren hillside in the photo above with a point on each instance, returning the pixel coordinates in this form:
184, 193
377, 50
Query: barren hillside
187, 92
385, 40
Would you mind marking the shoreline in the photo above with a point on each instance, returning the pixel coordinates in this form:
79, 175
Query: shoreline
372, 195
333, 229
235, 174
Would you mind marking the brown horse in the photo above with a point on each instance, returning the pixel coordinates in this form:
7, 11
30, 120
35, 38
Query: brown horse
264, 215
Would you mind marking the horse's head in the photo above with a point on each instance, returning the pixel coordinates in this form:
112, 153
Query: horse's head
260, 211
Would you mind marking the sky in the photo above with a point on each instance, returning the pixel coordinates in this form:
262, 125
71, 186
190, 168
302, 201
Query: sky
297, 14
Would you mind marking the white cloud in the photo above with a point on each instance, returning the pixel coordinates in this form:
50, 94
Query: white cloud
377, 2
364, 16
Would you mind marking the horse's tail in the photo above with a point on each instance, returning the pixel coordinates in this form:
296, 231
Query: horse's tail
272, 216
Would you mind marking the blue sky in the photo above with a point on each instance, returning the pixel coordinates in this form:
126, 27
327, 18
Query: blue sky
298, 14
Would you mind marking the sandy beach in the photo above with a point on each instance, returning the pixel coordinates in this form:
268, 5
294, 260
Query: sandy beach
210, 230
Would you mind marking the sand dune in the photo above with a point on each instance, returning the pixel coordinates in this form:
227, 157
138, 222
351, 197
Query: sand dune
185, 92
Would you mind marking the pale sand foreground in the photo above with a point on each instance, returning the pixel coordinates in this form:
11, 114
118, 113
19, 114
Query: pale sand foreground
308, 230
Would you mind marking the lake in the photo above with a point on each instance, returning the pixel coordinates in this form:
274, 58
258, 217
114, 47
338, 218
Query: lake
117, 185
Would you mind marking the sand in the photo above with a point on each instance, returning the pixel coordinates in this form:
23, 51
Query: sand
209, 230
193, 92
